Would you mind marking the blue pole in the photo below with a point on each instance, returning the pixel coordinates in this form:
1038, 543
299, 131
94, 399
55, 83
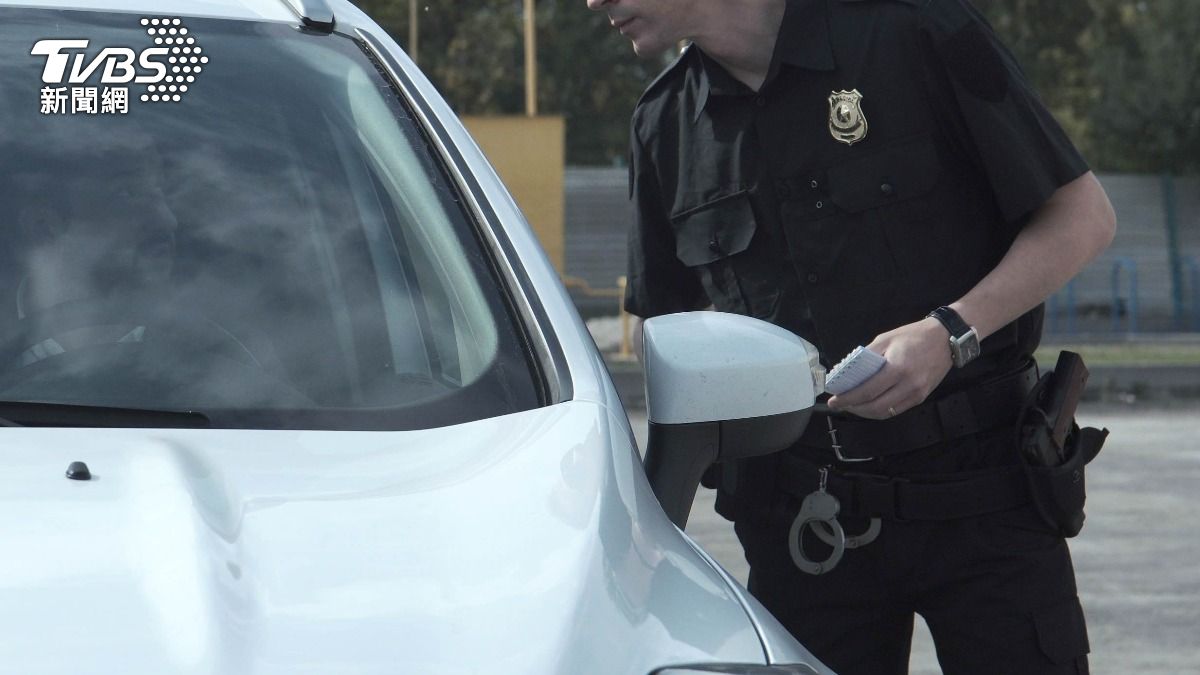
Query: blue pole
1133, 297
1071, 307
1116, 295
1172, 222
1119, 264
1193, 287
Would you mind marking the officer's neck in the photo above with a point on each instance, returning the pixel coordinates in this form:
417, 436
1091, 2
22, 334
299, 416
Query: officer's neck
740, 35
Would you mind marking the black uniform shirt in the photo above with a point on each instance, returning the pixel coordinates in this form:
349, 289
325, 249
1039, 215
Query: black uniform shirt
747, 200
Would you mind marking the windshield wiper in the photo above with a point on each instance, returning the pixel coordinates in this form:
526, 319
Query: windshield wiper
41, 414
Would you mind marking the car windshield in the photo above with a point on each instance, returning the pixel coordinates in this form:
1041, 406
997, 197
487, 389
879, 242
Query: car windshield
239, 219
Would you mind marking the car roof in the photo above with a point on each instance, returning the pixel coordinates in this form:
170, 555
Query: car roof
348, 17
268, 10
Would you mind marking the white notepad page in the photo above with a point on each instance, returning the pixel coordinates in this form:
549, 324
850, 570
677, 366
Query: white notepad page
858, 367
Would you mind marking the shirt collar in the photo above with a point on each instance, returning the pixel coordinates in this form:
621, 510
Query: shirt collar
803, 41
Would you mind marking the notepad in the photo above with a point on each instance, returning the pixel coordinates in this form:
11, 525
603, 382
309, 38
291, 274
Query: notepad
858, 367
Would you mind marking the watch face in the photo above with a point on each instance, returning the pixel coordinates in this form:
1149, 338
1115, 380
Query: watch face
964, 348
972, 349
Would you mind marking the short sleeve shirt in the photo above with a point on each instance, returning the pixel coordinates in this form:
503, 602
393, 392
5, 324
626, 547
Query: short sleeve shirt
890, 158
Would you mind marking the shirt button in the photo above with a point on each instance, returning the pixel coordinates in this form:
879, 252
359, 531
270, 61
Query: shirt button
714, 245
887, 189
760, 101
813, 278
814, 184
820, 205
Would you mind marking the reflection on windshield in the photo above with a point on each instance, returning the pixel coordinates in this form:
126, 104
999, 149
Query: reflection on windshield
277, 241
89, 235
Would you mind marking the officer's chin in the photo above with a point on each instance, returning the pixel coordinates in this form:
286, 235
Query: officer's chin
647, 47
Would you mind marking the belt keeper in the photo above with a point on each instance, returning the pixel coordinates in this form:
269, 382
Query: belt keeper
877, 496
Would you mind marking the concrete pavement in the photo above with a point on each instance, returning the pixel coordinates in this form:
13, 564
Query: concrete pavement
1137, 560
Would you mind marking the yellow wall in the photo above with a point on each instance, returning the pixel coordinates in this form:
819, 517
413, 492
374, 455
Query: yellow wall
528, 154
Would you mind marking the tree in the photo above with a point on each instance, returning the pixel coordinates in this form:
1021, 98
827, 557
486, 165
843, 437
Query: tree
474, 53
1147, 114
590, 75
1050, 42
1120, 75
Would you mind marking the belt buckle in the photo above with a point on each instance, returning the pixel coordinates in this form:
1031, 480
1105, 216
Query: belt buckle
837, 448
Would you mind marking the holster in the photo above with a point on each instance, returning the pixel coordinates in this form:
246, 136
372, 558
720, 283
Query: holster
1056, 473
745, 487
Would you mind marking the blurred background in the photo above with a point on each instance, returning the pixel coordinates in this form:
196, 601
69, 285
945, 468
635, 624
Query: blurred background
547, 88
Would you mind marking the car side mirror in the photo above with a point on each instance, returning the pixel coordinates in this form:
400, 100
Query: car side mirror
720, 387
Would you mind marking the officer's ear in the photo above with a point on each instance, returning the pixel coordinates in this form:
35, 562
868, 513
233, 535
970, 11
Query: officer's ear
41, 222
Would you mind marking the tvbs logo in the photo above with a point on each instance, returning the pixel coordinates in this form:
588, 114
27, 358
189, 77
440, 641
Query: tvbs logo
167, 68
67, 63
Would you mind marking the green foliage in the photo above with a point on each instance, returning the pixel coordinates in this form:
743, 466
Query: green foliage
1121, 75
1050, 41
1147, 116
474, 54
590, 74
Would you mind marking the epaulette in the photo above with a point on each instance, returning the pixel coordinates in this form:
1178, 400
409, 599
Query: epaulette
677, 65
947, 16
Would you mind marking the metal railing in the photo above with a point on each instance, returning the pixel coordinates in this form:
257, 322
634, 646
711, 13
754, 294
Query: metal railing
1062, 307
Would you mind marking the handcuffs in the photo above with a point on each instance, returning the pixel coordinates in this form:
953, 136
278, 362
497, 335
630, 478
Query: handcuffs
818, 507
819, 511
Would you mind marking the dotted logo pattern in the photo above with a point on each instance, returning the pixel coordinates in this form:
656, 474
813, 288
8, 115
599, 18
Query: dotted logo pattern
186, 59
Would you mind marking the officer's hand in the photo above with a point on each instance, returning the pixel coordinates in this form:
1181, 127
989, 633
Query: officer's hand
918, 358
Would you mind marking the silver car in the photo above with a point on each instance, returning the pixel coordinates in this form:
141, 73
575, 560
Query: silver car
288, 386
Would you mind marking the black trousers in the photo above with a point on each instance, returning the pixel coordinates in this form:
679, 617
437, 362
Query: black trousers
997, 591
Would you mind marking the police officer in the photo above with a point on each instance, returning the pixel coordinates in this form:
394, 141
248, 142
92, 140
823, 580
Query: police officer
874, 172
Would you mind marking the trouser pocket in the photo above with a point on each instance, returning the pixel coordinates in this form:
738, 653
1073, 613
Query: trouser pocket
1062, 634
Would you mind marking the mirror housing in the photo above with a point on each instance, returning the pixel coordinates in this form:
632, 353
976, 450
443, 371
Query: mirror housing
720, 387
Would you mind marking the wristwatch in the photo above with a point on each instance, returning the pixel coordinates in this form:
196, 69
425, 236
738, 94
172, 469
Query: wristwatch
964, 341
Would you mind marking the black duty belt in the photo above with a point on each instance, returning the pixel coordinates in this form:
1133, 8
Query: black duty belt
983, 407
933, 497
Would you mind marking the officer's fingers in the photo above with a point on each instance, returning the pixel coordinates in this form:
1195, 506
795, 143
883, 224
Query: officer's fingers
881, 343
907, 390
877, 408
878, 383
890, 403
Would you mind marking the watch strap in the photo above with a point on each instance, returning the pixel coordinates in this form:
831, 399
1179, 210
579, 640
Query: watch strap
964, 342
952, 321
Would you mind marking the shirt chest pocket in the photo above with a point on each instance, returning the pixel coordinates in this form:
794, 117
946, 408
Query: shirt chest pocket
899, 175
713, 239
902, 175
714, 230
852, 221
904, 196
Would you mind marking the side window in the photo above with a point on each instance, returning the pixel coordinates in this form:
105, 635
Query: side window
446, 292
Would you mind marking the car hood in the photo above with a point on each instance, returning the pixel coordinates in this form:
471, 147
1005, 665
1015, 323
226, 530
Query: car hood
523, 544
